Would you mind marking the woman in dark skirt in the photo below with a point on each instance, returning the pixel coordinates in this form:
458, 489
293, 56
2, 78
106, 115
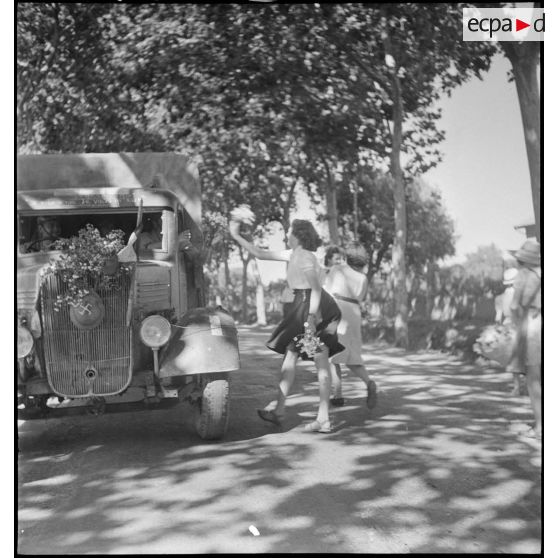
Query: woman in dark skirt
311, 305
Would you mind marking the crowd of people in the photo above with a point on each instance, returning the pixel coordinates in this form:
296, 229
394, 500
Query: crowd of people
324, 302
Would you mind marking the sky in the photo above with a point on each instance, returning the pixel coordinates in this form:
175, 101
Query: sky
484, 177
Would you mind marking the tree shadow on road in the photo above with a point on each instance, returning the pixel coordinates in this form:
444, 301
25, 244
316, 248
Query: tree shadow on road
433, 468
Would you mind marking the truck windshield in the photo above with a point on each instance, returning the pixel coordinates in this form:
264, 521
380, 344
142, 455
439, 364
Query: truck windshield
39, 232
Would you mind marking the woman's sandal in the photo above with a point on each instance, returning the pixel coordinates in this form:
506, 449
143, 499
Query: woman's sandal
317, 426
270, 416
337, 401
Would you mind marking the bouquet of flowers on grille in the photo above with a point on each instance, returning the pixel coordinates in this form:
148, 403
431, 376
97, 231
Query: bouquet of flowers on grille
496, 343
308, 344
88, 261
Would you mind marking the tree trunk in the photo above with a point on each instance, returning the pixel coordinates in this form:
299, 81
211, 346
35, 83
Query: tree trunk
355, 211
400, 216
430, 288
221, 286
286, 222
524, 58
245, 263
260, 297
227, 294
331, 206
286, 216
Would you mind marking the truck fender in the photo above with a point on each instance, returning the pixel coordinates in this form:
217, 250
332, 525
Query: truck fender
204, 340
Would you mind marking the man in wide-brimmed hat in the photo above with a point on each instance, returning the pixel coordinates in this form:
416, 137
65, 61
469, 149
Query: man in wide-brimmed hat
526, 311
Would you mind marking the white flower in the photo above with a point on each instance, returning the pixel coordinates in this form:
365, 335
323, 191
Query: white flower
243, 214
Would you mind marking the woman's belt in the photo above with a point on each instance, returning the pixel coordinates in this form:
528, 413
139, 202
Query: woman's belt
345, 298
304, 292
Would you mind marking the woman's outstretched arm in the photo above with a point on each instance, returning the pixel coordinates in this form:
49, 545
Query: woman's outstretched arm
259, 253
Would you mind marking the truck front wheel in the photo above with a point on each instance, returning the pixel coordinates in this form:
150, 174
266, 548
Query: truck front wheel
212, 409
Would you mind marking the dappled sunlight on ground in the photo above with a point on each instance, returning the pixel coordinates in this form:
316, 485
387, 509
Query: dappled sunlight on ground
434, 468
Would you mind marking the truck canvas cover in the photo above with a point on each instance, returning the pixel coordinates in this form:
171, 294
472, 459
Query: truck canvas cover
169, 171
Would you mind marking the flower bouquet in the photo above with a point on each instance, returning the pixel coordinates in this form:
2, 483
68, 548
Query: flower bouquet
496, 343
308, 344
88, 261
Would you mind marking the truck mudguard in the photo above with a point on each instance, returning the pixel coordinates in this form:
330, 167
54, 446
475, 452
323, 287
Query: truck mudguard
204, 340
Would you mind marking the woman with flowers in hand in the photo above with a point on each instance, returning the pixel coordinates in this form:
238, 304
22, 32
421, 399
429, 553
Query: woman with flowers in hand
313, 309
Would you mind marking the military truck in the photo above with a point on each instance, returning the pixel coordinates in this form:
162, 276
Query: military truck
145, 338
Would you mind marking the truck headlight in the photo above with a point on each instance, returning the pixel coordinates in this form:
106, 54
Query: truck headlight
24, 342
155, 331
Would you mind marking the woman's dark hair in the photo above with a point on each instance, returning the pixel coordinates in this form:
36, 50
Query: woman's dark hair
330, 252
306, 234
356, 256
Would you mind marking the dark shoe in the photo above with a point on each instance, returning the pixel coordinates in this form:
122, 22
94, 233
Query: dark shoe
337, 401
270, 416
372, 396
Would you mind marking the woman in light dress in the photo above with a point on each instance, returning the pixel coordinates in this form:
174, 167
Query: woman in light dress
348, 285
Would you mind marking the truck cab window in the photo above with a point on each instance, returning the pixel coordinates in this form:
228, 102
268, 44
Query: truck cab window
39, 233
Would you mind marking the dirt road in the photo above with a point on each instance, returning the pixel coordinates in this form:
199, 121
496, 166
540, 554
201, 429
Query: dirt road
437, 467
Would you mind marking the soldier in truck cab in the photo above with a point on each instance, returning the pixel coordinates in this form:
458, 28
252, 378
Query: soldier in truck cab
48, 231
151, 237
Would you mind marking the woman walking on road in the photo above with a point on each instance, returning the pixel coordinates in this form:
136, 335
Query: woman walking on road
348, 285
312, 306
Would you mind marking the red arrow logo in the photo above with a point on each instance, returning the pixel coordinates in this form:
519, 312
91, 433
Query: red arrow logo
519, 25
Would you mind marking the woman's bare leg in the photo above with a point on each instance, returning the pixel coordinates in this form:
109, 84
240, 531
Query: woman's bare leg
336, 384
360, 371
513, 368
324, 379
288, 371
516, 384
534, 388
371, 388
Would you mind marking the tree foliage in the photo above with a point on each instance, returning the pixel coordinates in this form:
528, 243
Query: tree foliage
431, 230
267, 97
486, 262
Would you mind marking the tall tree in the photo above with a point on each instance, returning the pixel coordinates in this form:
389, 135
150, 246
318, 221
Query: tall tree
414, 55
525, 60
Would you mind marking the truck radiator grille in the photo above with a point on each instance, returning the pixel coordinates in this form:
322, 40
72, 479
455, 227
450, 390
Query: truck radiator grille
82, 362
